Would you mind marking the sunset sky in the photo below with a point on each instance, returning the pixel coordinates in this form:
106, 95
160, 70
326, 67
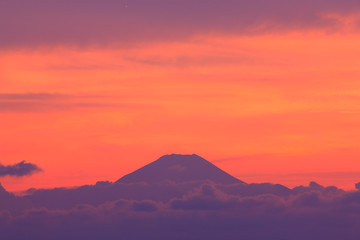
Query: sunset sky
269, 91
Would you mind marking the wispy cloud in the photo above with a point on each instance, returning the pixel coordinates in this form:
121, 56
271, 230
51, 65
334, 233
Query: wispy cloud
31, 96
45, 102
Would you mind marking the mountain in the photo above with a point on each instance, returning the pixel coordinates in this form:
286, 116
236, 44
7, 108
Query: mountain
179, 168
3, 192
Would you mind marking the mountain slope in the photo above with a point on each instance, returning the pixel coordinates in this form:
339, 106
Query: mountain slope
179, 168
3, 192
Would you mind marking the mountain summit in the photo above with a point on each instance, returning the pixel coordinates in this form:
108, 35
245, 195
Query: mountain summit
179, 168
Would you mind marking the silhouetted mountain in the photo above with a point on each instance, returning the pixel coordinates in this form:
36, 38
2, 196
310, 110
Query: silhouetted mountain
179, 168
6, 199
3, 192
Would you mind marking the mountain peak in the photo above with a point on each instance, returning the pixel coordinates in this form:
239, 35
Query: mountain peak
180, 157
179, 168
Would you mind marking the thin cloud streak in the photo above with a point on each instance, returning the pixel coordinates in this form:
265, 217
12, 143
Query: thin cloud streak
31, 96
45, 102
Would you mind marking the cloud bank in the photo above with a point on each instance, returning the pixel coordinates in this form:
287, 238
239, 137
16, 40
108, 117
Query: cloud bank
196, 210
87, 23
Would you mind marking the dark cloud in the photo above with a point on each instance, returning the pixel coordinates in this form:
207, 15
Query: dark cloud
19, 170
87, 23
144, 206
205, 212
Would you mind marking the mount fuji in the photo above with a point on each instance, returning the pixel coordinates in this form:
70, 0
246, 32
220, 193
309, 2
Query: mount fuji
179, 168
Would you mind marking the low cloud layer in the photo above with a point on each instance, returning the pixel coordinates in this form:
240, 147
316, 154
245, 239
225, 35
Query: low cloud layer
196, 210
19, 170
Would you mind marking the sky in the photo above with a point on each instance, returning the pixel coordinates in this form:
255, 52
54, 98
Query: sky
268, 91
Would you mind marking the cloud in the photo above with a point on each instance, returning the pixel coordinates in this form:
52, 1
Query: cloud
27, 102
31, 96
19, 170
56, 106
144, 206
45, 102
205, 212
88, 23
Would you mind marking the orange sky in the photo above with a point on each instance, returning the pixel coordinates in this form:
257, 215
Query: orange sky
281, 108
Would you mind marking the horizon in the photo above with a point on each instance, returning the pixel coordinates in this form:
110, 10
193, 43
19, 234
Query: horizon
23, 191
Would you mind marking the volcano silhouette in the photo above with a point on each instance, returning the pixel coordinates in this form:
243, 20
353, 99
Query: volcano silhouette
179, 168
